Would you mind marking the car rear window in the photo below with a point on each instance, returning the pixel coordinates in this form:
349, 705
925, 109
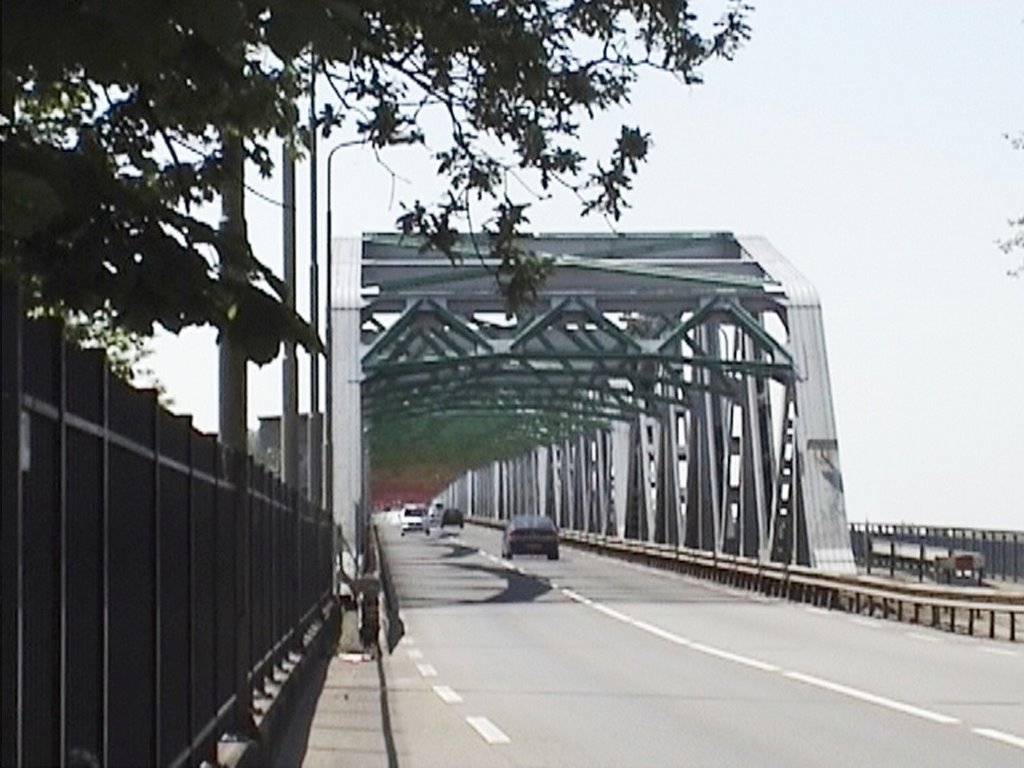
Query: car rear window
536, 522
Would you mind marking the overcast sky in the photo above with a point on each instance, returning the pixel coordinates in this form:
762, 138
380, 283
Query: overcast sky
865, 140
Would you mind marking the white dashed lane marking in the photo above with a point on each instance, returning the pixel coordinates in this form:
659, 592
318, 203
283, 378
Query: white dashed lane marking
427, 670
447, 695
415, 653
490, 733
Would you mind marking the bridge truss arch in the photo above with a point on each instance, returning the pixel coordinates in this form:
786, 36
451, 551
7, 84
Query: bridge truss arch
666, 387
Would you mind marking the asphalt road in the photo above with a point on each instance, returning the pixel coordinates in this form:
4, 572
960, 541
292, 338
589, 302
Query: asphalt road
588, 661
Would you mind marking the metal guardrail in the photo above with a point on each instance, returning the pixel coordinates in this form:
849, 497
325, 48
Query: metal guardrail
1003, 551
939, 563
954, 609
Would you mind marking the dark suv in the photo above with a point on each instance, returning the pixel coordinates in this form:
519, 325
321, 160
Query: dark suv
452, 517
530, 535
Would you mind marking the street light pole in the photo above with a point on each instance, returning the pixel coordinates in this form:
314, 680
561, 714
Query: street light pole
314, 439
289, 444
328, 368
233, 431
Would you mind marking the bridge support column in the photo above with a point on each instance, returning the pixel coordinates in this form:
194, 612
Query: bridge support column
619, 463
667, 511
541, 462
822, 503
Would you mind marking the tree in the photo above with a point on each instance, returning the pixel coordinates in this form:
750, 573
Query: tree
115, 118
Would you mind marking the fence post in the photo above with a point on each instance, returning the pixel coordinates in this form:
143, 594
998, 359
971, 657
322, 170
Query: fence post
11, 495
192, 589
157, 587
62, 530
238, 461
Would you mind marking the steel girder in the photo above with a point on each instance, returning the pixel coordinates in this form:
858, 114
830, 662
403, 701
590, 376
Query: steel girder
667, 387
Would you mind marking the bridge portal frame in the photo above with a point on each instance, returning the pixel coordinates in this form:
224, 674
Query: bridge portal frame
669, 387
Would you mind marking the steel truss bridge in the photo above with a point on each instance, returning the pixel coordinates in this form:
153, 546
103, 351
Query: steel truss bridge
664, 387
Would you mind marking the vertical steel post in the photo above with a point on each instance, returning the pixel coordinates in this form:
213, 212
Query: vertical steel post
157, 590
62, 531
328, 441
289, 438
233, 407
313, 433
11, 561
190, 511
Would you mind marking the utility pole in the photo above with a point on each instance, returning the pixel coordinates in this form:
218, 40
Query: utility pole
233, 431
289, 371
314, 432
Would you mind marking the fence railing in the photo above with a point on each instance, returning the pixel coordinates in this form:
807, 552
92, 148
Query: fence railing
136, 624
1003, 551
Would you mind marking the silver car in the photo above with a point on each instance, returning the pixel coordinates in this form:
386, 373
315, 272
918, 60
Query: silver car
415, 518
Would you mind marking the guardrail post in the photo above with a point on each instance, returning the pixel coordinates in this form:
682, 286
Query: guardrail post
867, 548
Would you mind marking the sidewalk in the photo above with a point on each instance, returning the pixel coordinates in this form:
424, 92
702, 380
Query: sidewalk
348, 727
342, 724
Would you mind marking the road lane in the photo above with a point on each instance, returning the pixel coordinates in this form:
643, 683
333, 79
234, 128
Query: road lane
635, 667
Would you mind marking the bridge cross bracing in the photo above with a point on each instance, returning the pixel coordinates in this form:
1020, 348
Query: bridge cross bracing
668, 387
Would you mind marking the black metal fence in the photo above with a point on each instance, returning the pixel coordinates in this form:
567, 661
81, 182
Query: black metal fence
128, 601
1003, 550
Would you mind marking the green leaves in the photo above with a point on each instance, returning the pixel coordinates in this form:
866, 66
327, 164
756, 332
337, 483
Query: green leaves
613, 182
115, 116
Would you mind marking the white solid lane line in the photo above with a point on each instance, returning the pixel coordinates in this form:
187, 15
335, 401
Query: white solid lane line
729, 656
871, 623
427, 670
491, 733
612, 613
845, 690
447, 695
922, 638
1005, 738
575, 596
854, 693
664, 634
